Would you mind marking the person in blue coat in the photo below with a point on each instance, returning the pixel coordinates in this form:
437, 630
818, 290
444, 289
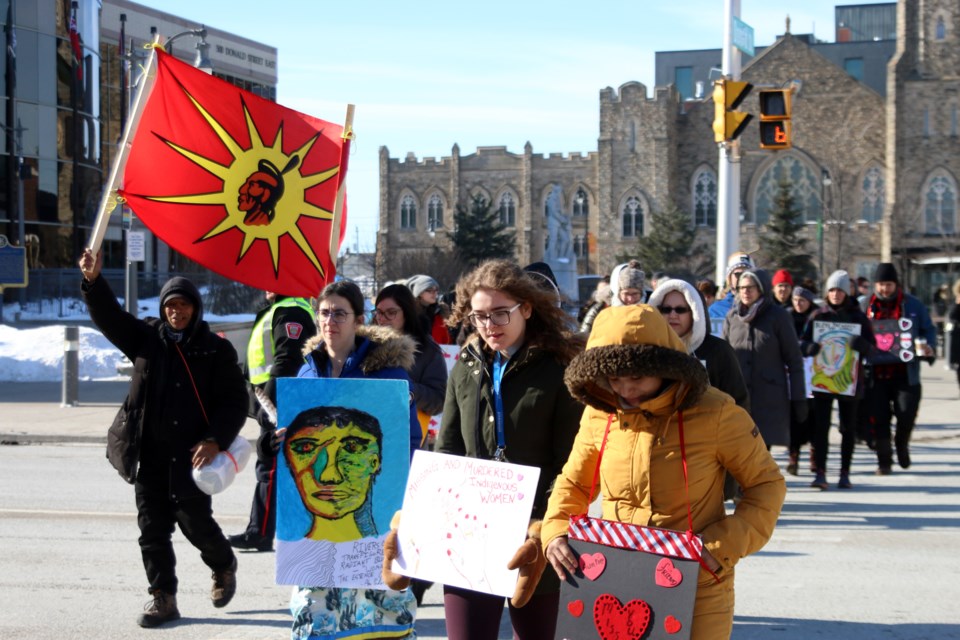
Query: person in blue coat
737, 263
345, 348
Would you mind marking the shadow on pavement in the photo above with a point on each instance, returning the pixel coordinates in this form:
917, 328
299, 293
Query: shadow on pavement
748, 628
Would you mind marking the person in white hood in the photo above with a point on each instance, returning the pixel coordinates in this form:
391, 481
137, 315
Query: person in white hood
682, 306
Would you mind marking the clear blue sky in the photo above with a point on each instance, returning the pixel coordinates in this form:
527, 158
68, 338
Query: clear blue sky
424, 75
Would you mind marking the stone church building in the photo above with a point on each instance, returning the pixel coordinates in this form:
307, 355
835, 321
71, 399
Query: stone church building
875, 156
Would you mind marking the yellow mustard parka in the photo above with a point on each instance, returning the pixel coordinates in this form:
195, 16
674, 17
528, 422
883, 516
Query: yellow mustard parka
641, 475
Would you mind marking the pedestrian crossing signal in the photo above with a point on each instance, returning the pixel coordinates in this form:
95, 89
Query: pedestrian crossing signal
775, 119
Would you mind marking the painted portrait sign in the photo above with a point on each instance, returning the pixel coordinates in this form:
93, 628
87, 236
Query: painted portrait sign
895, 342
340, 475
835, 366
463, 519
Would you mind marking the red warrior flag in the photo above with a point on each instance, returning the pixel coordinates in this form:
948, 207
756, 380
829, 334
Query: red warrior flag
235, 182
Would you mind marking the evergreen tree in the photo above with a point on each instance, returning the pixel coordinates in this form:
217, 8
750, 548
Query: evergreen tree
783, 245
478, 235
671, 246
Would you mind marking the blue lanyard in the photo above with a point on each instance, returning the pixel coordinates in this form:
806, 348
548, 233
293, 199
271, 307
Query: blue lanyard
498, 367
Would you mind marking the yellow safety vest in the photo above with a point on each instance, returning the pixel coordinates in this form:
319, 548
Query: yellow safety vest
259, 357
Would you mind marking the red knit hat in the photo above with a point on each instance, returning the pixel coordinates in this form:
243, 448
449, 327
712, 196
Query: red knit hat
782, 276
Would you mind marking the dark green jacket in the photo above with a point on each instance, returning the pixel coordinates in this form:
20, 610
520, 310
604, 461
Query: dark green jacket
541, 418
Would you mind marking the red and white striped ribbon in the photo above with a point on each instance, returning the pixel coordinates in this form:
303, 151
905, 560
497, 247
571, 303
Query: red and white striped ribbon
624, 535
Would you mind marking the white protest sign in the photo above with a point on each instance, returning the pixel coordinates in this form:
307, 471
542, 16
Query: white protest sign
463, 519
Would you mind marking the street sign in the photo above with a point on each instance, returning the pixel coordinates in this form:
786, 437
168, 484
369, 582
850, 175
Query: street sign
136, 244
13, 264
742, 36
126, 219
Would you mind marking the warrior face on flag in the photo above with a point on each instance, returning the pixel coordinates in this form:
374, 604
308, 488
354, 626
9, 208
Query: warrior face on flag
247, 187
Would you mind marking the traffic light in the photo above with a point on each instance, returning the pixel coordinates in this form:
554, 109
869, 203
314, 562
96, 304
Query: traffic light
727, 96
775, 131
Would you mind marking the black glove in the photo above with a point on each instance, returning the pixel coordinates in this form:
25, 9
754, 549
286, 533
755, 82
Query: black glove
268, 444
799, 410
860, 344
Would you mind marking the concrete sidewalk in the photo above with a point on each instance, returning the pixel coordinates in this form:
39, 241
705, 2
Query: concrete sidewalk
31, 411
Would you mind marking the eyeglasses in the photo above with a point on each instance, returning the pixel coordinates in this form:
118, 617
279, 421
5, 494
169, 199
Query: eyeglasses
498, 318
678, 310
337, 316
630, 295
386, 314
749, 287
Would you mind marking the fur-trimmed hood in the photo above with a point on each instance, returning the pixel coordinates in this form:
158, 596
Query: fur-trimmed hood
388, 348
699, 330
633, 340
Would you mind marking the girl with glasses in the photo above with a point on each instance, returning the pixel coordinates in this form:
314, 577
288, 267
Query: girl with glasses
395, 307
345, 348
506, 401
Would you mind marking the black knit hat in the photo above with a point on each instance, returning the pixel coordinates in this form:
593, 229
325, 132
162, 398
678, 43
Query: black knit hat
886, 272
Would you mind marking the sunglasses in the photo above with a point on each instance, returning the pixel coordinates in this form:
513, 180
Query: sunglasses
678, 310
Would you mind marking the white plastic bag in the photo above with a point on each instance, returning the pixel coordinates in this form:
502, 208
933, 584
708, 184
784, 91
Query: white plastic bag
217, 476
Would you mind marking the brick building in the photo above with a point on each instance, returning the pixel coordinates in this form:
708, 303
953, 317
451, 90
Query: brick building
875, 154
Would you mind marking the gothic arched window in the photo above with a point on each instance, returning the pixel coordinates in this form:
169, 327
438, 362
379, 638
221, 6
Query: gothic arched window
705, 198
435, 212
940, 206
873, 196
632, 217
941, 30
805, 188
408, 212
581, 206
508, 210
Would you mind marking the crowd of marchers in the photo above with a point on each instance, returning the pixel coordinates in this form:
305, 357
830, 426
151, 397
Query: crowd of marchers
663, 400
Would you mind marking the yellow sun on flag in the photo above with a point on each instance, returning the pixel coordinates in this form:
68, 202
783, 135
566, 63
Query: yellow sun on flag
264, 193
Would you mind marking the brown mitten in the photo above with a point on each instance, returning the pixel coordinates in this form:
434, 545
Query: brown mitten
392, 579
530, 560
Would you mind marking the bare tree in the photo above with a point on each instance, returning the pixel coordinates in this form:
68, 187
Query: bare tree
443, 265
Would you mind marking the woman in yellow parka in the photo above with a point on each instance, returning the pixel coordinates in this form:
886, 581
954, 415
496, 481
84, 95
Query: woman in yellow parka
637, 369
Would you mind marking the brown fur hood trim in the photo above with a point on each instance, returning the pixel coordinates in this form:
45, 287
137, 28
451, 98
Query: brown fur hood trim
633, 340
390, 348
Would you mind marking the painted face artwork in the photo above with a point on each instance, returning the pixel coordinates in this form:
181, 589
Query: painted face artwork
333, 467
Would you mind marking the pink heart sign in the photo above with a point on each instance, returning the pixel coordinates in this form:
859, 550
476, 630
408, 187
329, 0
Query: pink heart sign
593, 564
884, 341
667, 575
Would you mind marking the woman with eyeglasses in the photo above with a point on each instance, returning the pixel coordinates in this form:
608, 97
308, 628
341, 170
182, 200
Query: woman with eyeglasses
345, 348
506, 401
684, 310
762, 335
395, 307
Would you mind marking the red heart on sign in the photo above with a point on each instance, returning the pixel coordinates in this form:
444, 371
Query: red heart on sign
617, 622
667, 575
575, 608
884, 341
671, 625
593, 564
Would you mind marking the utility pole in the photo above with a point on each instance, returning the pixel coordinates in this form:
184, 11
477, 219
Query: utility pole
728, 176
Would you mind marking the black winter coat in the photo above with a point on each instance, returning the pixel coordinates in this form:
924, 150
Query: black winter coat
161, 419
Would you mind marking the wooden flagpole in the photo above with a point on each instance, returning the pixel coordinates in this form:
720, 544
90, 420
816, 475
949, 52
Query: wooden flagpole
342, 188
108, 201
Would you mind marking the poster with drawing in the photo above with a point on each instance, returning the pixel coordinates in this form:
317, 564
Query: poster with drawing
340, 475
431, 424
835, 367
463, 519
895, 341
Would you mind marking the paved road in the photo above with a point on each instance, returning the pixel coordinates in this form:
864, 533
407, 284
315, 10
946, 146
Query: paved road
878, 561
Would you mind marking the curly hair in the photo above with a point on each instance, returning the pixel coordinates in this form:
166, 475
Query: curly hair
549, 327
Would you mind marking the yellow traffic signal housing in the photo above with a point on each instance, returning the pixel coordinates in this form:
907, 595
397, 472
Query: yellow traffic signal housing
775, 119
728, 123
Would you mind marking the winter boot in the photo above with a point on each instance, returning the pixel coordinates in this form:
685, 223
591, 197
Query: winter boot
884, 456
902, 442
224, 585
820, 482
793, 467
844, 481
161, 608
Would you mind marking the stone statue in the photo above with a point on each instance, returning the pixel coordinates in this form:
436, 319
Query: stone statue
559, 250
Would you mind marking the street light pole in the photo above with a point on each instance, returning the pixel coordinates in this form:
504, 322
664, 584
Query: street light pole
825, 182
